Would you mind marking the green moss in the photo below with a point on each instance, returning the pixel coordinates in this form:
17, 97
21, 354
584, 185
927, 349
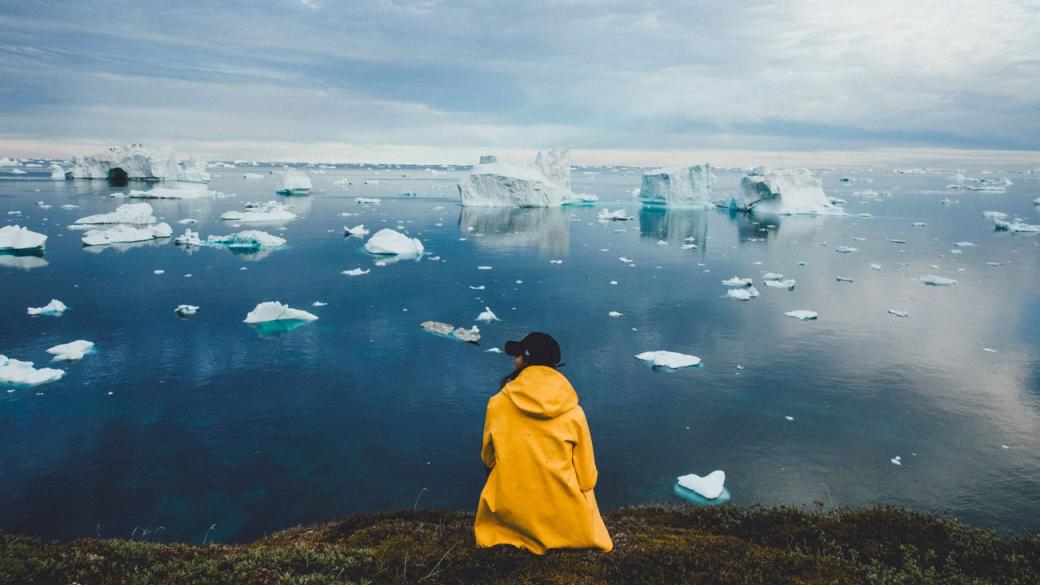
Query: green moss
653, 544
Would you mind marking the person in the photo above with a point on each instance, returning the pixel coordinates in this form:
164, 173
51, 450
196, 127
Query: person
538, 452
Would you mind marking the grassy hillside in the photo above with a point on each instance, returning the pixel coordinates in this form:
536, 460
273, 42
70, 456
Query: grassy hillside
654, 544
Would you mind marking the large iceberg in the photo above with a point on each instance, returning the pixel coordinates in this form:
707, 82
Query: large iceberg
498, 184
123, 234
57, 173
784, 191
137, 161
390, 242
14, 238
295, 183
55, 308
14, 371
72, 351
678, 186
276, 311
129, 213
194, 171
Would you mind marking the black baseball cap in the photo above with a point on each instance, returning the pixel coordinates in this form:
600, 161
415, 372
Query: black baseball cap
540, 349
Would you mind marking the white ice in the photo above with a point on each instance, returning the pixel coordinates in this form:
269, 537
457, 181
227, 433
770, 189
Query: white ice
55, 308
72, 351
509, 185
784, 191
678, 186
178, 191
122, 233
186, 310
356, 272
789, 283
189, 238
358, 230
669, 359
606, 215
737, 281
802, 315
295, 183
933, 280
388, 241
898, 313
193, 171
845, 250
273, 211
487, 316
710, 486
139, 162
16, 238
276, 311
247, 239
14, 371
367, 200
57, 173
128, 213
742, 294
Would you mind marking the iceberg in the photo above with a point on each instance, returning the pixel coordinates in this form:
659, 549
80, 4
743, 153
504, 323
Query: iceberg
15, 238
669, 359
783, 191
186, 310
355, 272
14, 371
55, 308
606, 215
8, 162
579, 199
710, 486
390, 242
1015, 226
194, 171
555, 164
994, 215
181, 191
737, 281
933, 280
367, 200
487, 316
845, 250
122, 234
678, 186
898, 313
356, 231
190, 238
129, 213
789, 283
72, 351
802, 315
508, 185
135, 160
742, 294
272, 211
57, 173
295, 183
247, 240
275, 311
471, 335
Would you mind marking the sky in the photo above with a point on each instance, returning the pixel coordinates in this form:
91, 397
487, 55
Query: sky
620, 82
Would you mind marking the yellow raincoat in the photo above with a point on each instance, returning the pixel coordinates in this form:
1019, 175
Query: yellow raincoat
537, 445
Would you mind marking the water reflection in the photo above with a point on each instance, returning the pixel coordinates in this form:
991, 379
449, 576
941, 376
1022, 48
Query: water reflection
125, 246
543, 228
675, 226
23, 260
754, 228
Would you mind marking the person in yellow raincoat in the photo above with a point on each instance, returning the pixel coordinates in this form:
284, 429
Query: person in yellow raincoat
538, 451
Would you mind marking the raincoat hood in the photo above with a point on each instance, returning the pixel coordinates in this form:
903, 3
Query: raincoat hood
541, 392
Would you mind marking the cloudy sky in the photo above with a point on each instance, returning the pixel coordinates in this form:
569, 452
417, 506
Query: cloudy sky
618, 81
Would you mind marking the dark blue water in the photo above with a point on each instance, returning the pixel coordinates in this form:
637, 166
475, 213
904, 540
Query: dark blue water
190, 423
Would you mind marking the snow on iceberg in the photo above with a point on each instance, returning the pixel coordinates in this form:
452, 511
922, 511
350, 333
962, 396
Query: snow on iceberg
295, 183
272, 211
391, 242
247, 240
129, 213
678, 186
669, 359
275, 311
14, 238
783, 191
57, 173
555, 164
789, 283
742, 294
802, 315
487, 316
137, 161
710, 486
194, 171
14, 371
72, 351
356, 231
189, 238
180, 191
933, 280
498, 184
55, 308
124, 234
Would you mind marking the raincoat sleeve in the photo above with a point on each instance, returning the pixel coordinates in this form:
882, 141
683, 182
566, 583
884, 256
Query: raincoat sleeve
487, 451
583, 458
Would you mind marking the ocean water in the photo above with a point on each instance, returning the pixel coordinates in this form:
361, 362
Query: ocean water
204, 428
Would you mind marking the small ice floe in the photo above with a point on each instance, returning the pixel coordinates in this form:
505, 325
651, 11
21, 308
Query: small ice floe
43, 205
14, 371
1036, 201
124, 234
896, 240
965, 244
737, 281
72, 351
480, 287
669, 359
898, 313
933, 280
69, 206
188, 238
158, 271
275, 311
247, 240
267, 211
989, 350
614, 314
367, 200
613, 283
994, 215
662, 243
493, 350
789, 418
897, 460
187, 221
129, 213
388, 242
186, 310
994, 264
1015, 226
356, 231
484, 267
624, 260
487, 316
802, 315
742, 294
181, 191
772, 276
837, 201
919, 224
688, 246
875, 267
14, 238
355, 272
845, 250
711, 486
55, 308
843, 279
788, 283
17, 172
471, 335
556, 262
947, 201
319, 304
606, 215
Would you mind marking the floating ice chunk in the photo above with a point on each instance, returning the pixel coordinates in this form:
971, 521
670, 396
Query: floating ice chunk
994, 215
1016, 226
669, 359
493, 350
742, 294
247, 240
181, 191
898, 313
121, 234
357, 231
57, 173
479, 287
710, 486
295, 183
484, 267
897, 460
875, 267
17, 172
186, 310
556, 262
471, 335
14, 371
137, 161
846, 250
276, 311
843, 279
55, 308
509, 185
606, 215
788, 283
625, 260
784, 191
319, 304
583, 199
252, 176
989, 350
772, 276
896, 240
614, 314
189, 238
933, 280
737, 281
72, 351
268, 211
389, 242
129, 213
678, 186
802, 315
187, 221
14, 238
487, 316
355, 272
366, 200
919, 224
1036, 201
789, 418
